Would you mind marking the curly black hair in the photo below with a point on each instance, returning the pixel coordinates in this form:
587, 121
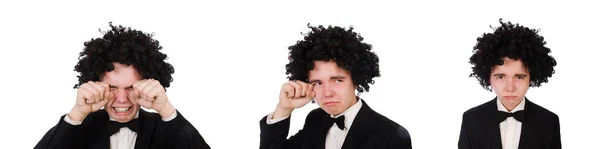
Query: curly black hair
126, 46
515, 42
344, 46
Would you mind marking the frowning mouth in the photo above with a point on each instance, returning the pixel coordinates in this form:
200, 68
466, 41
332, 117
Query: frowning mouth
331, 103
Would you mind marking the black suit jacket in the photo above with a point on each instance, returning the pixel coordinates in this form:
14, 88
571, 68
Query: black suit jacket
370, 130
480, 129
93, 133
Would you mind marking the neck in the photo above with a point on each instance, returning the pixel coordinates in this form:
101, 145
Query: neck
509, 107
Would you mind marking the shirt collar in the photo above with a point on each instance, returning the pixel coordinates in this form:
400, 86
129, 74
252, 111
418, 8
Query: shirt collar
136, 116
519, 107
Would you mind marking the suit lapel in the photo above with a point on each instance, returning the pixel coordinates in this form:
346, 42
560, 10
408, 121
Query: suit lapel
146, 130
492, 128
527, 126
101, 139
359, 128
319, 135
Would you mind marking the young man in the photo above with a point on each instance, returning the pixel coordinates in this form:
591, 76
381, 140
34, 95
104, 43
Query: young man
121, 72
329, 65
509, 61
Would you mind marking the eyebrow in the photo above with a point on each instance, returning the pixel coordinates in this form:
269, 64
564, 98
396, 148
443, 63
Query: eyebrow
337, 77
521, 75
499, 74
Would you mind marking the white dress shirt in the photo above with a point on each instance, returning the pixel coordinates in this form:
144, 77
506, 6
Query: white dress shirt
510, 129
335, 137
125, 138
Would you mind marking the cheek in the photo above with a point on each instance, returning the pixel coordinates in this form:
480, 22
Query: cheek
133, 102
496, 84
497, 87
109, 103
347, 89
318, 91
136, 107
524, 87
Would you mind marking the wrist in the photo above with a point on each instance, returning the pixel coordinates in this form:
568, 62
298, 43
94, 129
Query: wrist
76, 115
282, 112
166, 111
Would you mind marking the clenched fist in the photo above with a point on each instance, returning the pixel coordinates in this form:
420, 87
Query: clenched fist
91, 96
293, 94
150, 94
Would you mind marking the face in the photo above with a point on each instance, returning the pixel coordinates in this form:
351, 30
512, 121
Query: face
510, 82
121, 79
333, 87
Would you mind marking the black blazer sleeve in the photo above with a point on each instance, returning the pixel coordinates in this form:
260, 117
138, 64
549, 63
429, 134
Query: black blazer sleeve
556, 143
463, 141
401, 140
62, 136
274, 136
181, 134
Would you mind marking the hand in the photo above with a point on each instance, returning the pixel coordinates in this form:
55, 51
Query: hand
293, 94
91, 96
150, 94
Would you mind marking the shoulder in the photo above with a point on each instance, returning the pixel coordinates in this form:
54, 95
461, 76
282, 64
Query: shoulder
542, 112
478, 111
315, 113
385, 124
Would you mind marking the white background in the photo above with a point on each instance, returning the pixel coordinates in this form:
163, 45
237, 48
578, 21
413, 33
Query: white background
230, 57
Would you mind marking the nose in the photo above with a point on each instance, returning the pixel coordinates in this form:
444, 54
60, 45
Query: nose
327, 90
121, 96
510, 85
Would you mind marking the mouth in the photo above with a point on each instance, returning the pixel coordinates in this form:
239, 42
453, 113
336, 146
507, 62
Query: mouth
122, 110
510, 97
331, 103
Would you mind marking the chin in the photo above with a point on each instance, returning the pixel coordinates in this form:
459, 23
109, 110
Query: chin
123, 120
332, 111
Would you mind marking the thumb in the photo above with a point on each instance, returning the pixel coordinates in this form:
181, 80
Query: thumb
108, 95
144, 103
102, 103
310, 95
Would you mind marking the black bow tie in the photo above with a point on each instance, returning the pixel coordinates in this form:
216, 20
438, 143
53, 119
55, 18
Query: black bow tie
338, 121
114, 126
519, 115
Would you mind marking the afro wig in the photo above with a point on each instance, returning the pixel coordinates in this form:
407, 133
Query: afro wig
126, 46
341, 45
515, 42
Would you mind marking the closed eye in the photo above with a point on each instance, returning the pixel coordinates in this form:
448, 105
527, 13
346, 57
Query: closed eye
130, 88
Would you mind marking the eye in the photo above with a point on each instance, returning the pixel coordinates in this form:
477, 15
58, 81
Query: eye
112, 88
338, 81
520, 77
317, 84
129, 89
499, 77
